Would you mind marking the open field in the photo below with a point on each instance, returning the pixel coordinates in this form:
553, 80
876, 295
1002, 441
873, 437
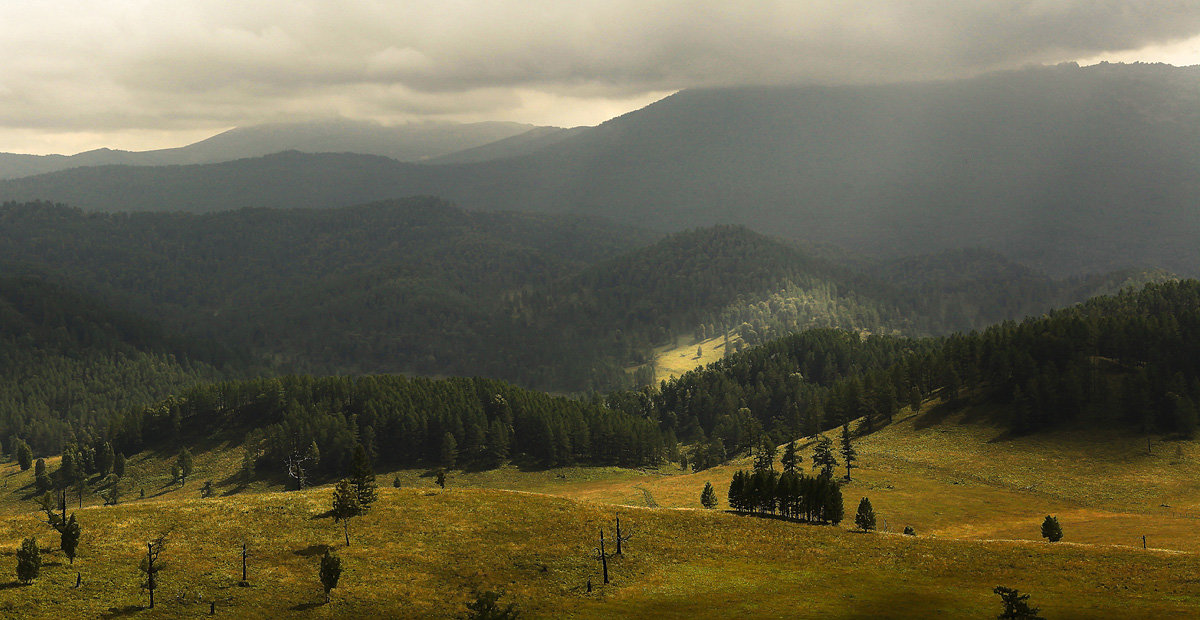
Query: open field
975, 497
674, 360
420, 553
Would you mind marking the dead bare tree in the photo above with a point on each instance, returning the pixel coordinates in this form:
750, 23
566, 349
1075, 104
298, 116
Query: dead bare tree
602, 556
295, 465
621, 538
151, 566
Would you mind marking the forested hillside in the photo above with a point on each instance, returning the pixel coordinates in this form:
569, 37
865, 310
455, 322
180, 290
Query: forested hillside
550, 302
67, 361
1127, 360
1069, 170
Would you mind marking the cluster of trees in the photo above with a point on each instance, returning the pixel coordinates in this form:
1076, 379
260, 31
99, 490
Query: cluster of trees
791, 494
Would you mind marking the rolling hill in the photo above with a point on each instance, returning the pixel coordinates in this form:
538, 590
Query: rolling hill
411, 142
1069, 170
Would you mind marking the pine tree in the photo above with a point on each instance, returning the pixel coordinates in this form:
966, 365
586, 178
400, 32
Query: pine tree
331, 572
765, 459
29, 560
362, 478
119, 465
497, 441
848, 453
40, 477
1015, 605
791, 458
70, 538
823, 457
865, 518
104, 459
24, 455
345, 506
185, 465
1051, 529
708, 497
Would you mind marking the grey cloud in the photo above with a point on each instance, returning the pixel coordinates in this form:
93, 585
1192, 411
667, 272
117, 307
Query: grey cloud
138, 64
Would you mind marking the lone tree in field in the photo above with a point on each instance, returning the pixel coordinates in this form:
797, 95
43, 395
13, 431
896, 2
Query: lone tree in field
1051, 529
486, 607
848, 453
1015, 605
29, 560
331, 572
151, 566
865, 517
345, 506
185, 465
708, 497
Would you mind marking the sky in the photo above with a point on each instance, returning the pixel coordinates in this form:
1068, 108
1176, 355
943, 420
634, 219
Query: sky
142, 74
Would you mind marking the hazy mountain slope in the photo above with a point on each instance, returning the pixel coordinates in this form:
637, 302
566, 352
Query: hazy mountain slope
522, 144
67, 360
411, 142
1070, 170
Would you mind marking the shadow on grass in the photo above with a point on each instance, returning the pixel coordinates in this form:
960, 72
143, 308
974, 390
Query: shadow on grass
12, 584
312, 550
328, 514
117, 612
305, 606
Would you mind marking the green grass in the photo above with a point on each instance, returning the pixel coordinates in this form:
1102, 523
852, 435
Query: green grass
975, 497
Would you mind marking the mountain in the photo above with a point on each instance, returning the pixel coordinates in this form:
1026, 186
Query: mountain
410, 142
1069, 170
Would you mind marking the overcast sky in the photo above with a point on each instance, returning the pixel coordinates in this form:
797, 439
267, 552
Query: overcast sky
139, 74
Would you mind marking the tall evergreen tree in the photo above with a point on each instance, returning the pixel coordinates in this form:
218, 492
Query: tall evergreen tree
1051, 530
40, 477
823, 457
345, 506
791, 458
449, 451
362, 478
848, 453
865, 517
708, 497
765, 458
330, 572
70, 538
24, 455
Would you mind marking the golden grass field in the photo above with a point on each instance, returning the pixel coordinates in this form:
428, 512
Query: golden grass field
674, 360
975, 498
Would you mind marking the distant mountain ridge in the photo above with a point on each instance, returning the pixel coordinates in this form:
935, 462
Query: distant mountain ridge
409, 142
1069, 170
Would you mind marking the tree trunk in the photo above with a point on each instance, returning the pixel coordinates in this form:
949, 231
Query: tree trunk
346, 529
603, 557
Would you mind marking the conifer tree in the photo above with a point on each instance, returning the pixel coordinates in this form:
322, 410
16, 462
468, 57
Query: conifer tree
362, 478
29, 560
848, 453
791, 458
24, 455
185, 465
486, 607
330, 572
865, 517
708, 497
70, 538
765, 459
345, 506
1016, 606
823, 457
104, 459
1051, 530
40, 477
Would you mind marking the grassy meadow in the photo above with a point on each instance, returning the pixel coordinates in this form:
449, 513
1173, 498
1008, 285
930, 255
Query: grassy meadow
975, 497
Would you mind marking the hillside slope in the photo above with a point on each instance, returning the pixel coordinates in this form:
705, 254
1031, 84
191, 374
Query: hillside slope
1069, 170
